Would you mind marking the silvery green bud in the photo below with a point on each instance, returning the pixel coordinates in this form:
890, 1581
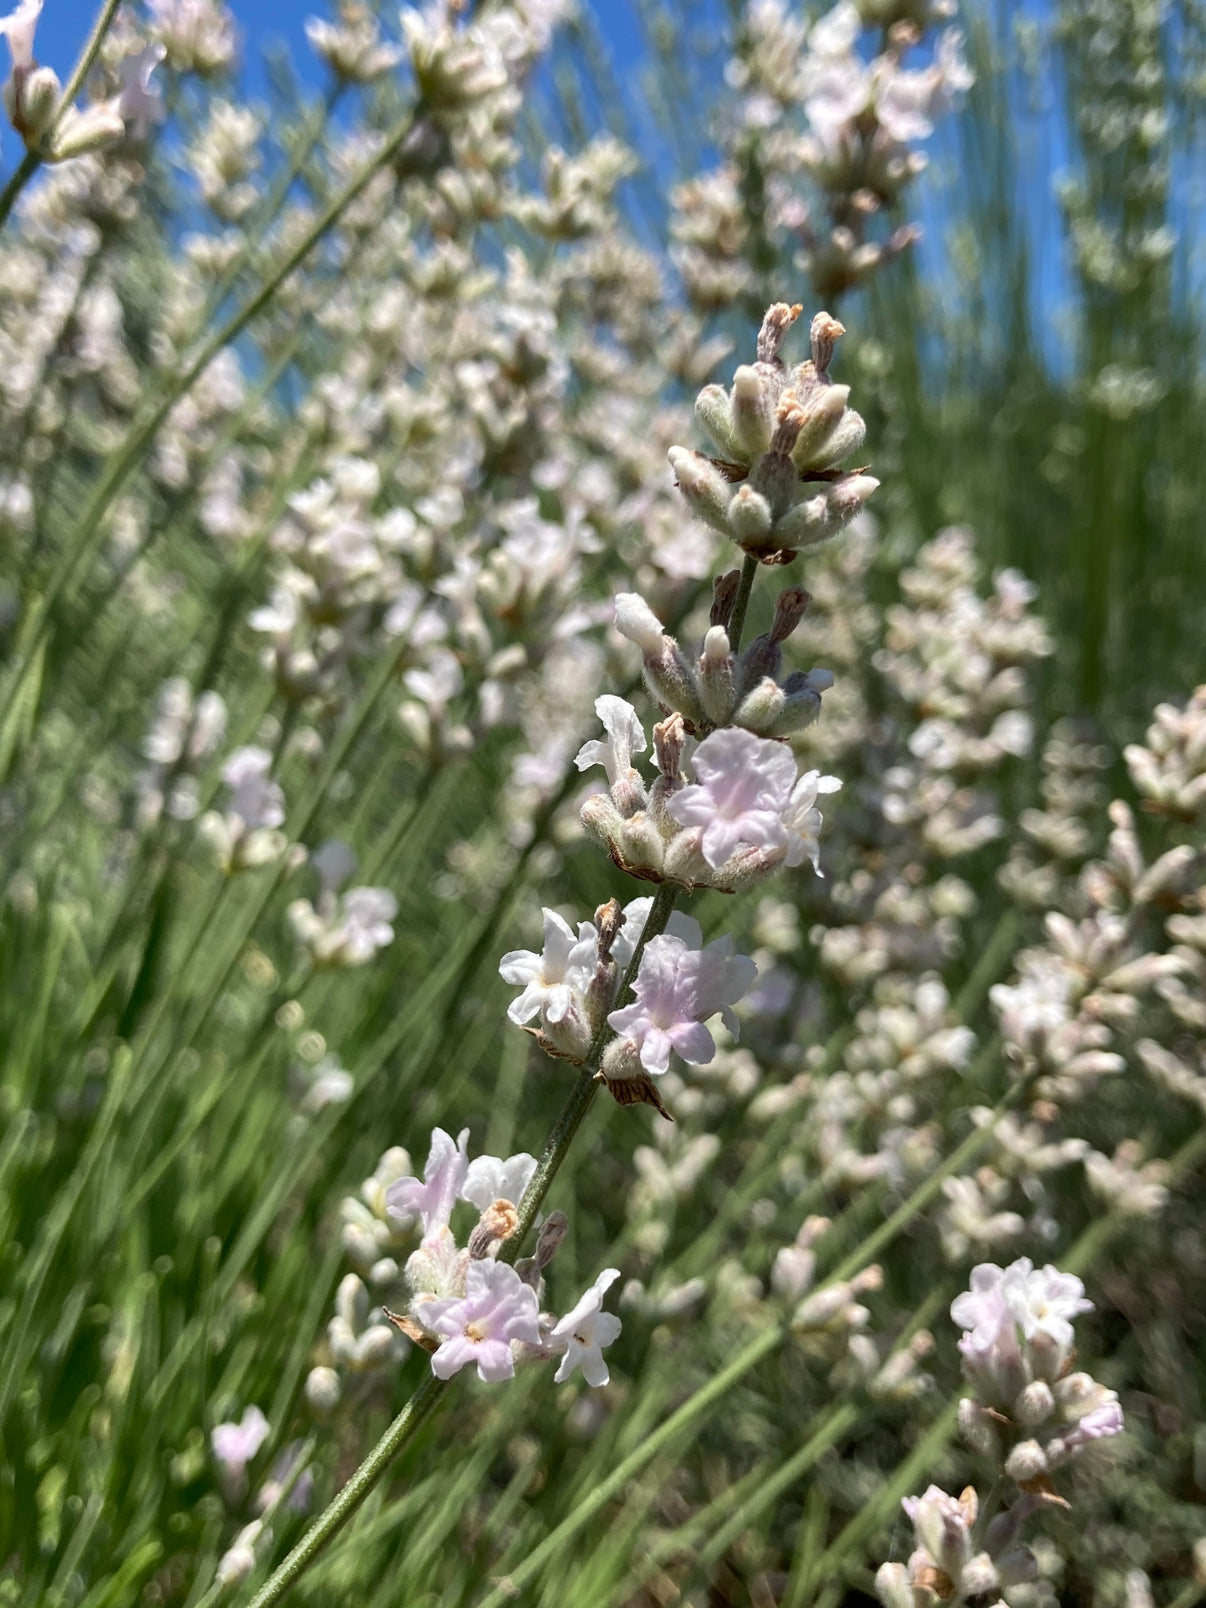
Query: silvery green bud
713, 412
1027, 1461
760, 710
978, 1429
707, 491
323, 1391
819, 417
893, 1586
376, 1346
801, 703
717, 694
1036, 1403
978, 1576
749, 515
752, 413
32, 100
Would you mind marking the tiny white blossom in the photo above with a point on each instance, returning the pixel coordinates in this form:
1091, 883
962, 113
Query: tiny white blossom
550, 979
625, 737
489, 1179
584, 1331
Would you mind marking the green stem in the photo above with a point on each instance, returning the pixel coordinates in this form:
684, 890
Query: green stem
24, 171
741, 602
88, 55
361, 1484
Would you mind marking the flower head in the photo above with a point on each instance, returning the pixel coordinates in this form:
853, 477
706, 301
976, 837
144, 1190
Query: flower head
234, 1445
677, 988
584, 1331
743, 785
549, 980
433, 1198
496, 1309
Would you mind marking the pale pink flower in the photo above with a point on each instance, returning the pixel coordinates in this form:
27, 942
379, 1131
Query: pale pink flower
433, 1198
743, 784
234, 1445
677, 989
584, 1331
497, 1308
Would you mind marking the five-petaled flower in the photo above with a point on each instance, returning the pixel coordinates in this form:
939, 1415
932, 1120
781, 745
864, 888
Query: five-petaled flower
496, 1309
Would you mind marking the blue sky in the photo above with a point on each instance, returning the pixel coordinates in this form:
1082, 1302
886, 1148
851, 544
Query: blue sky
264, 23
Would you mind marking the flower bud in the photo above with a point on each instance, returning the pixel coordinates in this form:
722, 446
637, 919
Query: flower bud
978, 1429
707, 491
1027, 1461
713, 412
323, 1390
893, 1586
715, 677
978, 1576
1036, 1403
752, 412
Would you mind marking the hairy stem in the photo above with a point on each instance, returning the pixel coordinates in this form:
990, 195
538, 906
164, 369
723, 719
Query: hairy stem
749, 570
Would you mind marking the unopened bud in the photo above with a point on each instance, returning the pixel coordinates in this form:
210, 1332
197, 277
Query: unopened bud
715, 678
707, 491
1027, 1461
323, 1390
1036, 1403
714, 414
751, 412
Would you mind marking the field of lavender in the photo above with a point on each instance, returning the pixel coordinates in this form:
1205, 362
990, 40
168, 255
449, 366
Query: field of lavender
603, 911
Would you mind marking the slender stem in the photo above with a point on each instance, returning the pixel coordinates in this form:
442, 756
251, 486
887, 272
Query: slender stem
88, 55
24, 171
353, 1493
742, 601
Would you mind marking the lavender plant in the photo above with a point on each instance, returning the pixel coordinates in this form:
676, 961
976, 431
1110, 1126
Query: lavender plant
346, 467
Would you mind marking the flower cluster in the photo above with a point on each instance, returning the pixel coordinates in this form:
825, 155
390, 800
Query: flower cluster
1030, 1415
783, 434
469, 1307
746, 812
1030, 1412
345, 929
246, 834
827, 130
